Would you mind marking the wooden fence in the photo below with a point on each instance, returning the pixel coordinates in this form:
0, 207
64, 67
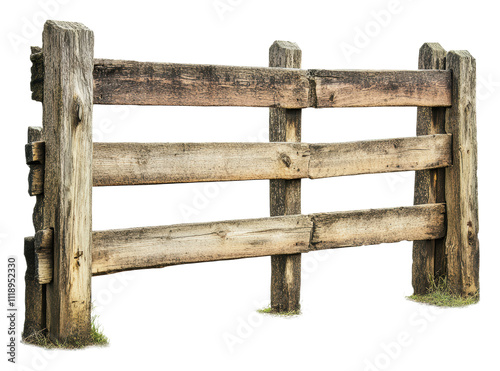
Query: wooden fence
65, 164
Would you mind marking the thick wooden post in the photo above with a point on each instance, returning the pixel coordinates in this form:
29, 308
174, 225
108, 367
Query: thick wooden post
67, 132
429, 260
284, 126
462, 245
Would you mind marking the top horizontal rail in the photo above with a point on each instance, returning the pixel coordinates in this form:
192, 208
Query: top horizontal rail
171, 84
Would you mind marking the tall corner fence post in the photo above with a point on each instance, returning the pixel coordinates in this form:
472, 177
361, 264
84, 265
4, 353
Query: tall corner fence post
285, 126
461, 243
429, 261
68, 58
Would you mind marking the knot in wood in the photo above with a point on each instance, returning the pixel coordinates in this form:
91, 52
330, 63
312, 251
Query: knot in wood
285, 159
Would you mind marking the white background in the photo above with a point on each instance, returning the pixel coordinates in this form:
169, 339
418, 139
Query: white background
203, 315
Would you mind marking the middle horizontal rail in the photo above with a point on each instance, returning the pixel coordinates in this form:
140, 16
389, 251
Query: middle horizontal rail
161, 163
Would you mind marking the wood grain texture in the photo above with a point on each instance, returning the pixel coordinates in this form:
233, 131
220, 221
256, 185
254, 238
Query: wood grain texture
149, 83
67, 132
37, 73
358, 88
35, 135
157, 163
429, 260
35, 300
284, 195
161, 163
376, 226
35, 152
462, 244
44, 255
34, 320
36, 179
35, 158
128, 82
379, 156
153, 247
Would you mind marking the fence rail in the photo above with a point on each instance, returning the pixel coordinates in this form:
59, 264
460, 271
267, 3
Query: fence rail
171, 84
65, 164
162, 163
155, 247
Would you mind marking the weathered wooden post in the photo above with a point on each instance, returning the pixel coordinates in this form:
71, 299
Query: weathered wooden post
462, 244
67, 195
285, 126
456, 256
429, 261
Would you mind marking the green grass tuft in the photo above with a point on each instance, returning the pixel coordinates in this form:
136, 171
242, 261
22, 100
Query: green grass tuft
96, 338
269, 310
440, 294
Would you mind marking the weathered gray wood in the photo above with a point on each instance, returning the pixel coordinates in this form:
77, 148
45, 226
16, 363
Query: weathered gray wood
285, 126
128, 82
35, 303
429, 256
376, 226
153, 247
44, 255
462, 244
146, 83
379, 156
67, 132
37, 72
35, 152
34, 320
157, 163
381, 88
162, 163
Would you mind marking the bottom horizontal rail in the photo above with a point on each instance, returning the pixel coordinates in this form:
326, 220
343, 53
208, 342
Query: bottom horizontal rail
154, 247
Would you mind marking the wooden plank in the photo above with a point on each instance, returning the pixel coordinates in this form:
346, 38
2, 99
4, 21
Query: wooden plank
142, 83
285, 126
429, 260
462, 244
160, 163
379, 156
67, 132
148, 83
376, 226
154, 247
358, 88
44, 255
